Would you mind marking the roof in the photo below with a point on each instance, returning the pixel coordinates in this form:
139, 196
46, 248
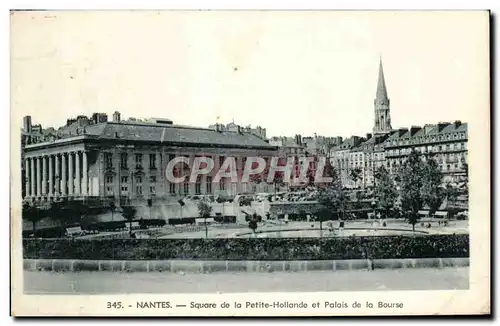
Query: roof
148, 132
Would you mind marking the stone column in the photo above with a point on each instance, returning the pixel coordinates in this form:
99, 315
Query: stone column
51, 176
70, 174
77, 174
85, 174
57, 189
32, 177
44, 175
27, 175
63, 174
38, 176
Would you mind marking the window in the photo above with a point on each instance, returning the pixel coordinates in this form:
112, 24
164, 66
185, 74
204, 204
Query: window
447, 147
138, 161
123, 160
152, 184
197, 188
463, 145
440, 148
186, 188
109, 179
171, 188
108, 159
222, 185
152, 161
221, 160
138, 189
209, 184
124, 185
138, 179
171, 157
447, 167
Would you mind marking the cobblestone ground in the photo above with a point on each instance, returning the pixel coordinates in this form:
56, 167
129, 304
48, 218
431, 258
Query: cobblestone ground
381, 280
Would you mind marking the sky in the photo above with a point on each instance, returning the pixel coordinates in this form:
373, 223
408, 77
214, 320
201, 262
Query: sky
291, 72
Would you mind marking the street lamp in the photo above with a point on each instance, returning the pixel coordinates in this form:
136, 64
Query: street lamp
374, 207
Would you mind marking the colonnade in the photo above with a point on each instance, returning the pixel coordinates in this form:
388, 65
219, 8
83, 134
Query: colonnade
53, 175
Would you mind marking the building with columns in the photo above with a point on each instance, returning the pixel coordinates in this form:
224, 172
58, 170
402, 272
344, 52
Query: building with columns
125, 161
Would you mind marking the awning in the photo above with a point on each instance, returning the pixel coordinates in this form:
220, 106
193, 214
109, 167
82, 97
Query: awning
438, 213
423, 212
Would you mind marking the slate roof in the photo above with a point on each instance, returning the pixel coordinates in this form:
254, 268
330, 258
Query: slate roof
173, 134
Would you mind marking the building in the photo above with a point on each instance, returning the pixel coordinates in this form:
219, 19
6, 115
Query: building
446, 142
233, 127
125, 161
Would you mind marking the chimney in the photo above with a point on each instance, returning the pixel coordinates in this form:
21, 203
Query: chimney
116, 116
457, 123
442, 125
402, 131
27, 123
368, 136
99, 118
414, 130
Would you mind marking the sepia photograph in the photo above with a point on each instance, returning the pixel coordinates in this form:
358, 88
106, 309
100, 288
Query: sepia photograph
250, 162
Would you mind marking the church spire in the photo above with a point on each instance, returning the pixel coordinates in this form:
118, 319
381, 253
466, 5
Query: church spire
381, 88
382, 105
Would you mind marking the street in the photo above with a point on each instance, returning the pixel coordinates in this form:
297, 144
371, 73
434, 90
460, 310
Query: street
358, 280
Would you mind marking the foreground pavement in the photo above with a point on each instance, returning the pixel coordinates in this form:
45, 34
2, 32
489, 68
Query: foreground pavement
378, 280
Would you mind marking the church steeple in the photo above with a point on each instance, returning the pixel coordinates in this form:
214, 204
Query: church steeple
381, 89
382, 105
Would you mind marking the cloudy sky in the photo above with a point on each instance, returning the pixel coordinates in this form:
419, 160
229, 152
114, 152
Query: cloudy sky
290, 72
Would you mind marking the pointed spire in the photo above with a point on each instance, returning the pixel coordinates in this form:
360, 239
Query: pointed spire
381, 89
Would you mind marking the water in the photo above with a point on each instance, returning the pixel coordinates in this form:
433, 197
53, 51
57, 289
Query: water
157, 282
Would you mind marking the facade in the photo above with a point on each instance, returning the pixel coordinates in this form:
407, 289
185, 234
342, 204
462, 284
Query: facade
446, 142
125, 161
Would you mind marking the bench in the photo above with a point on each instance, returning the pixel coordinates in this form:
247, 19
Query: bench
74, 231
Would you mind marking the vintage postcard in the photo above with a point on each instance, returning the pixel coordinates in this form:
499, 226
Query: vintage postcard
250, 163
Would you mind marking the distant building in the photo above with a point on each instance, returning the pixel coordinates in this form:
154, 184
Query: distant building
446, 142
257, 131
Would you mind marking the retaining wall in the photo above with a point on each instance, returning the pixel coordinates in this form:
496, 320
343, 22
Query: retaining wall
206, 266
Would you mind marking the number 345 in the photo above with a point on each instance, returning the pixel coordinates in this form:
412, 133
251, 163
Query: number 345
115, 305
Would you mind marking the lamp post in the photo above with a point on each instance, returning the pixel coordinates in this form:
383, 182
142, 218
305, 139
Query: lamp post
374, 207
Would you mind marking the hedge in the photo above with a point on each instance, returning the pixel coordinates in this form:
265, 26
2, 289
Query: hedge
430, 246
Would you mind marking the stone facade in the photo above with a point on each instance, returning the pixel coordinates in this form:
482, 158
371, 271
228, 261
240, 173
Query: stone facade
126, 161
445, 141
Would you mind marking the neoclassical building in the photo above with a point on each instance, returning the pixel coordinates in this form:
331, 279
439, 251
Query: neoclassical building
125, 161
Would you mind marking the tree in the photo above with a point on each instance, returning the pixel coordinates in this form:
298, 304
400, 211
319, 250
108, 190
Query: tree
410, 176
356, 175
451, 194
204, 209
31, 214
385, 190
331, 199
128, 213
432, 192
